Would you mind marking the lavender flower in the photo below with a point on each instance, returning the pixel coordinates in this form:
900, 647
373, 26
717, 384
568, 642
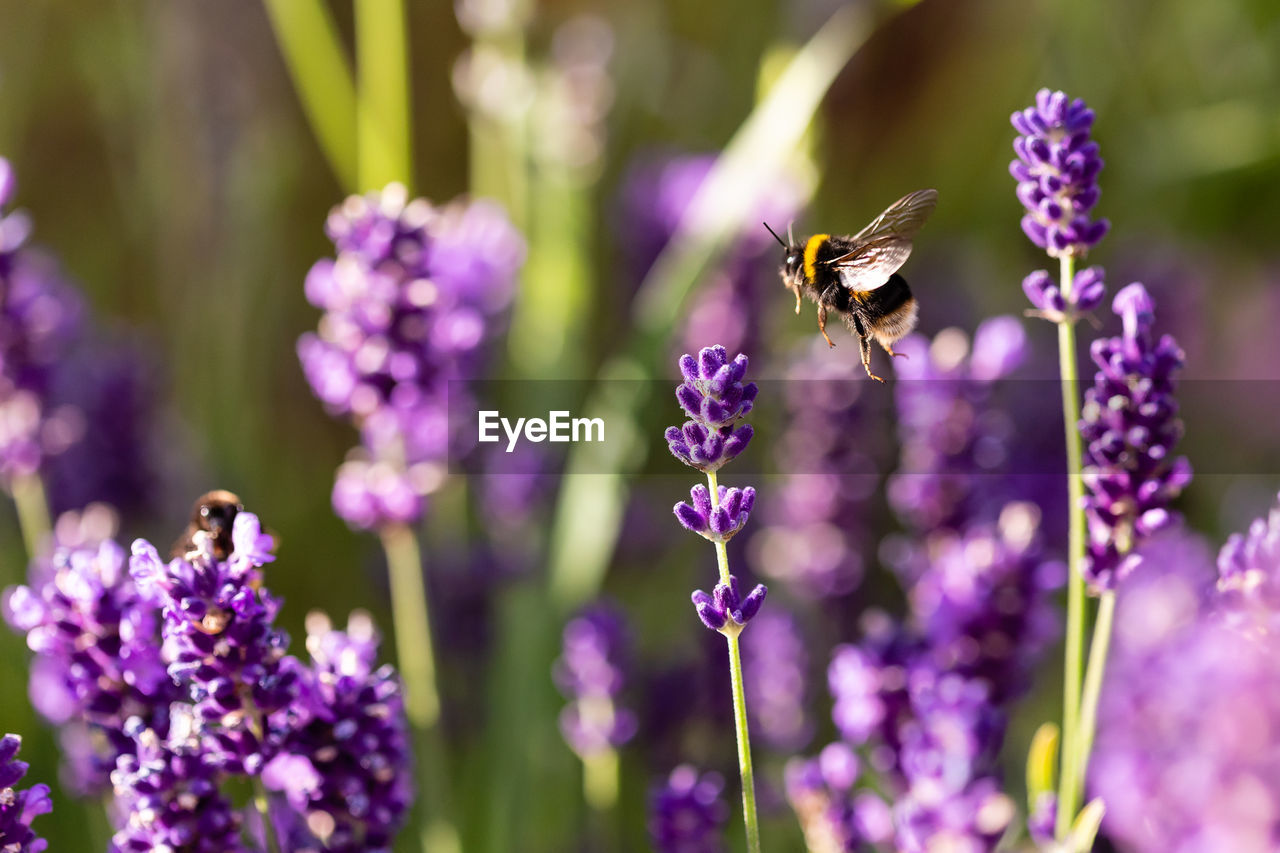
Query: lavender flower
346, 766
1129, 425
39, 318
776, 667
714, 397
1185, 757
1249, 563
220, 641
591, 673
833, 816
725, 609
18, 808
721, 522
1057, 174
171, 798
412, 296
687, 814
95, 638
1087, 290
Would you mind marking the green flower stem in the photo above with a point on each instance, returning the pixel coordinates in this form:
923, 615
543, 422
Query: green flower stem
1093, 679
1068, 784
383, 139
600, 780
313, 54
739, 698
412, 618
33, 511
261, 803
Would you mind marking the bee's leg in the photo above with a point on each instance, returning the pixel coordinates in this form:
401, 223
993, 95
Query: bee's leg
797, 302
889, 349
865, 344
822, 323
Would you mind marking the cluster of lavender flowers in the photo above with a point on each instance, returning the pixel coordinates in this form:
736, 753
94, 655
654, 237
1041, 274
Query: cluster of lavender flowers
412, 294
182, 682
591, 673
1130, 426
687, 813
40, 317
19, 808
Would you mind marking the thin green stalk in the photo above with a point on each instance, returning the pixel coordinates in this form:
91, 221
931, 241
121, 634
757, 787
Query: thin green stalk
33, 511
600, 780
313, 54
264, 810
739, 698
1093, 678
1068, 783
412, 618
384, 145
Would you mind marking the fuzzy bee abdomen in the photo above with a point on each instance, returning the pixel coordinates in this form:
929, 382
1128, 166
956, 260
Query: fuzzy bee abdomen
890, 310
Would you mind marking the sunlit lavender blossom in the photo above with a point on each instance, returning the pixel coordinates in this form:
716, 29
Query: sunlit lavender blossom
954, 439
346, 765
776, 667
725, 609
170, 798
409, 300
1185, 756
220, 642
1130, 426
39, 317
1088, 288
1249, 562
715, 398
97, 660
592, 672
815, 533
687, 814
834, 816
1057, 174
719, 523
18, 808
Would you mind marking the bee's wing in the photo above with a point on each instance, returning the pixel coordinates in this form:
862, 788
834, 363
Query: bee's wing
884, 245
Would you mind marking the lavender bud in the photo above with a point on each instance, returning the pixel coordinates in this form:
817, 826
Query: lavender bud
18, 808
1057, 174
725, 610
714, 397
719, 524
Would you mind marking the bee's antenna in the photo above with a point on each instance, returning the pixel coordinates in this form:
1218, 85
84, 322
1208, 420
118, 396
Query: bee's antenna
775, 236
790, 239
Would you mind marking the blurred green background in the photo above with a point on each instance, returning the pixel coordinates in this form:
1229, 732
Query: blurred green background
162, 152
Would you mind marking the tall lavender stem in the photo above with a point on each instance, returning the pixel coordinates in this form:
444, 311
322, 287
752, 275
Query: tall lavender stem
739, 694
33, 510
1069, 780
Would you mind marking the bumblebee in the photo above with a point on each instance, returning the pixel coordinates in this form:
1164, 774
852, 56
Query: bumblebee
214, 513
857, 277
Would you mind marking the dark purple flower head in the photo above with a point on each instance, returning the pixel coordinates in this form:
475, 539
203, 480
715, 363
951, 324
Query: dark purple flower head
409, 301
220, 641
346, 766
725, 610
714, 397
1249, 563
1087, 291
720, 523
688, 814
1057, 174
1130, 427
591, 673
777, 672
95, 637
169, 797
18, 808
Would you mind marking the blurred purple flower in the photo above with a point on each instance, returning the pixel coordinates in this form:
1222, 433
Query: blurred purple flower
725, 609
18, 808
97, 661
171, 798
1130, 426
687, 814
221, 644
1057, 174
346, 766
1249, 563
776, 667
591, 673
412, 296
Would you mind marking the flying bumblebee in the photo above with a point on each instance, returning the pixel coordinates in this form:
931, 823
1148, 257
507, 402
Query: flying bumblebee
857, 277
214, 513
